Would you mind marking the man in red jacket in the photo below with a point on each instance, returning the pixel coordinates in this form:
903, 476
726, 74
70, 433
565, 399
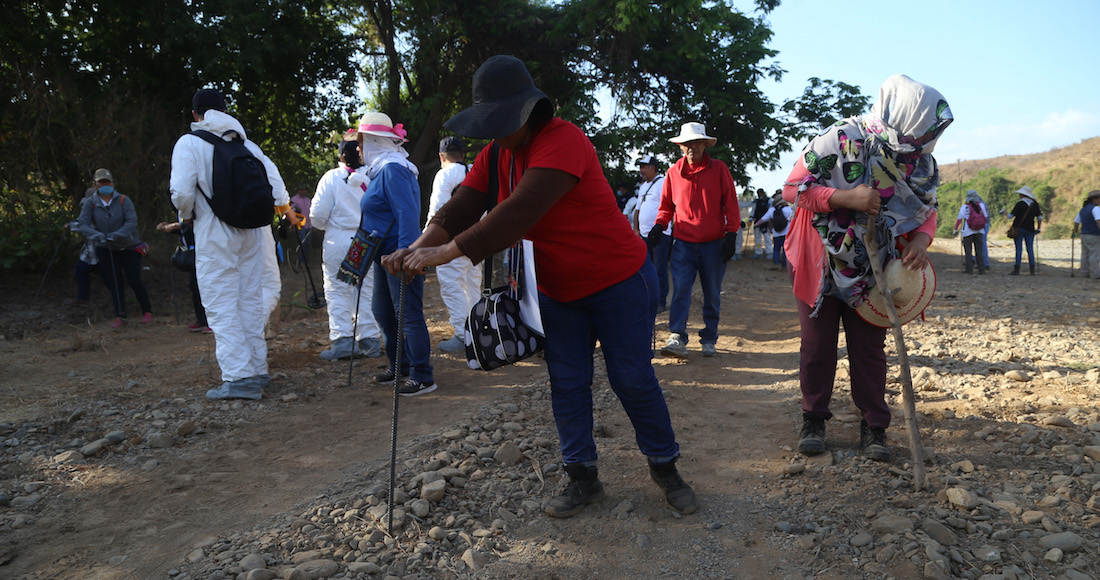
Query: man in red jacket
700, 200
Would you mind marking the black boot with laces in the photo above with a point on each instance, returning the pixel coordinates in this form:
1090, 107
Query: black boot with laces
872, 441
584, 487
811, 441
678, 493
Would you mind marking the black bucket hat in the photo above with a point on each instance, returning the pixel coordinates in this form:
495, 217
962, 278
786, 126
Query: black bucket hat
504, 96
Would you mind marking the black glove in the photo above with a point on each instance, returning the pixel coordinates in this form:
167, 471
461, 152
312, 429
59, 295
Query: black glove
654, 236
729, 246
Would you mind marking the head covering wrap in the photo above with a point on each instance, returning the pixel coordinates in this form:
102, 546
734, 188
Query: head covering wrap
972, 196
380, 144
889, 150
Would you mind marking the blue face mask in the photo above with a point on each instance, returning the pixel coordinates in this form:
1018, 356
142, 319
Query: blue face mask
106, 190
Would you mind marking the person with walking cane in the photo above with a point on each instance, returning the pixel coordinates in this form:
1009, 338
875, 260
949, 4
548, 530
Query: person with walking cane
1087, 221
595, 282
109, 220
876, 166
393, 199
335, 209
1027, 219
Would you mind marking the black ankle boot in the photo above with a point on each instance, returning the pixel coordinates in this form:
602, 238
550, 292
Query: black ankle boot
678, 493
584, 487
1015, 271
872, 442
1032, 267
811, 441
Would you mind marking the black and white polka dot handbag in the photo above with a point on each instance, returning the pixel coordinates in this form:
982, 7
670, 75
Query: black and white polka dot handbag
496, 334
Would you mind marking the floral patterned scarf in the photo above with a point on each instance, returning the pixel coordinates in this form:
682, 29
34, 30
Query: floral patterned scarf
890, 150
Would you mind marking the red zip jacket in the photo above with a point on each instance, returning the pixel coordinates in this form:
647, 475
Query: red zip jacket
700, 200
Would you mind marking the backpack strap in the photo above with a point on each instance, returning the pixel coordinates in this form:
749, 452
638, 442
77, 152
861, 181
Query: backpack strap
490, 203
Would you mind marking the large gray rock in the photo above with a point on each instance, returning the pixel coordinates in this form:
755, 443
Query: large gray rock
939, 532
962, 498
315, 569
892, 524
1064, 541
434, 491
508, 454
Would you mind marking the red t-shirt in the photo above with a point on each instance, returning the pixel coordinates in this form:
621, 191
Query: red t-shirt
583, 244
700, 201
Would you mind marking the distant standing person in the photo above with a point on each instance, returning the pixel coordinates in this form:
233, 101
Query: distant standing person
231, 263
762, 235
86, 261
459, 280
1088, 221
1027, 219
778, 218
335, 210
109, 220
186, 231
700, 201
658, 246
971, 221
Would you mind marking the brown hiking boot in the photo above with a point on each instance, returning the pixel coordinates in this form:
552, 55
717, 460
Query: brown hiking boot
872, 442
811, 441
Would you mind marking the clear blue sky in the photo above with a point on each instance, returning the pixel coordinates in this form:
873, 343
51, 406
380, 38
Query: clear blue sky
1021, 77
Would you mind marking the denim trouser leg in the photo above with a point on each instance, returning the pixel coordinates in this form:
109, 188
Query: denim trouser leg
416, 354
689, 259
682, 266
1029, 242
621, 318
779, 251
658, 254
83, 280
985, 249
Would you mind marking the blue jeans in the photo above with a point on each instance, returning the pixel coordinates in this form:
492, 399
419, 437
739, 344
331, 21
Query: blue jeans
985, 248
84, 279
1025, 237
779, 253
621, 318
417, 351
658, 254
688, 259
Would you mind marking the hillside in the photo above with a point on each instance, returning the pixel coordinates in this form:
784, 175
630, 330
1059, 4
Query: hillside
1061, 178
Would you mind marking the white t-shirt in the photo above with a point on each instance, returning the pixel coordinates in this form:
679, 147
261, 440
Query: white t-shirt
1095, 214
649, 196
964, 214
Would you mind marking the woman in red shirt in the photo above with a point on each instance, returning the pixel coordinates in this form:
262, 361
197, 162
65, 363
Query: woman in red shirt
594, 280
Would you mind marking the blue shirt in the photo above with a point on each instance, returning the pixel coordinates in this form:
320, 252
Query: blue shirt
393, 197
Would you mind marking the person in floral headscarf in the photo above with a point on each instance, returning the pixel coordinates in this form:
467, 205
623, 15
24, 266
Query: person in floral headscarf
878, 166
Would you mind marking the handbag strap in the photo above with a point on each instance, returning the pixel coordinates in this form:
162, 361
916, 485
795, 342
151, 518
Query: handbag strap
490, 203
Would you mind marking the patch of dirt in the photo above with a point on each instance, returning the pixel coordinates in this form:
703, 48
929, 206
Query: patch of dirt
190, 474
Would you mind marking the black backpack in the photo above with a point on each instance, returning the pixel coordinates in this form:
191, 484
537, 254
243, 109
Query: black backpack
241, 195
779, 220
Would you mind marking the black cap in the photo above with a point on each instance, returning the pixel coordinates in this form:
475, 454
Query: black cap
349, 149
207, 99
451, 145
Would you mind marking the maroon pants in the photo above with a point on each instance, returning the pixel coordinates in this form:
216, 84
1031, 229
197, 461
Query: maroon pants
866, 355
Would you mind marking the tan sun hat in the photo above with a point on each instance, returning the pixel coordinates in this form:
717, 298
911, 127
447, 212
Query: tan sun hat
913, 290
380, 124
1026, 192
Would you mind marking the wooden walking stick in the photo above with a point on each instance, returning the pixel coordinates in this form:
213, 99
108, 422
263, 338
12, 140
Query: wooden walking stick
908, 399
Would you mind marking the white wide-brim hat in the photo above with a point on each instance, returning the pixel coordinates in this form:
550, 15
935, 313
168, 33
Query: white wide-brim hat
692, 132
1026, 192
913, 290
381, 125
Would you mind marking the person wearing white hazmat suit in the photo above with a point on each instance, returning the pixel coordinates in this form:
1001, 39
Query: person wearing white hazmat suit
229, 261
335, 209
459, 280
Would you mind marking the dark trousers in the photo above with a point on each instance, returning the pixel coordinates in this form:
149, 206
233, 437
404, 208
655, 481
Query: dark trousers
972, 247
866, 357
658, 254
84, 280
196, 299
113, 265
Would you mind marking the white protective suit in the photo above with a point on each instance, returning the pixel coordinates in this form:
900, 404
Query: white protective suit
230, 263
459, 280
336, 210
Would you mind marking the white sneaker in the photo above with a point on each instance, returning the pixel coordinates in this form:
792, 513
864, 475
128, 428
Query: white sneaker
675, 347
